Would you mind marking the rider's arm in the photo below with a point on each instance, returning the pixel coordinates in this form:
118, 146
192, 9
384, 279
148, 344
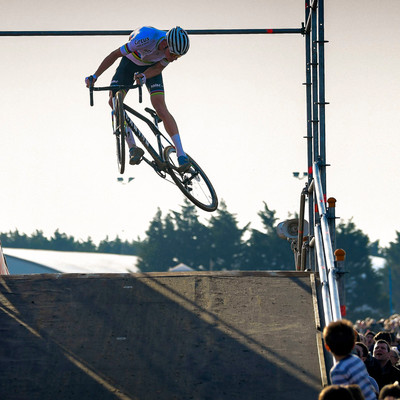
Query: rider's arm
108, 61
154, 70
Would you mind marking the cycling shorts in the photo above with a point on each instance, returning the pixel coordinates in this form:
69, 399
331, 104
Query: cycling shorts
125, 72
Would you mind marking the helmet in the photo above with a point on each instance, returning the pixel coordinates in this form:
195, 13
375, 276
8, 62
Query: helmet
178, 41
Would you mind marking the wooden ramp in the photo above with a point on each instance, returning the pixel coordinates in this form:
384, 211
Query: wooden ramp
192, 335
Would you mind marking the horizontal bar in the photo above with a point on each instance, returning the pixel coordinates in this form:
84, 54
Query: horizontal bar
126, 33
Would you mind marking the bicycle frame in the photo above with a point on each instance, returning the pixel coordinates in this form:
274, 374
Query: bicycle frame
159, 160
192, 182
157, 156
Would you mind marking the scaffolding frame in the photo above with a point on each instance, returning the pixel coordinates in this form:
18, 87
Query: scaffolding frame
313, 31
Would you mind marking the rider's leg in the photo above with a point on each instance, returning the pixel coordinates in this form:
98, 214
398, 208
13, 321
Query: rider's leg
158, 102
124, 76
130, 140
135, 153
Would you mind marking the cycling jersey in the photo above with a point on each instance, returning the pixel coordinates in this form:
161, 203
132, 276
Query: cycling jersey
142, 48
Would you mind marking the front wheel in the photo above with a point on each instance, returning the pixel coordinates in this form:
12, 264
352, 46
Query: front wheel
194, 183
119, 130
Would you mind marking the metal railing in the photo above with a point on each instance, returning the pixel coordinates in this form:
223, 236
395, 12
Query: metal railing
324, 251
315, 251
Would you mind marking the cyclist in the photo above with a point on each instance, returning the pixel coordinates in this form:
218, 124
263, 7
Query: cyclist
144, 57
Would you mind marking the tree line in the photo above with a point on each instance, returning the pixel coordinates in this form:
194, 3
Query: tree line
221, 244
62, 242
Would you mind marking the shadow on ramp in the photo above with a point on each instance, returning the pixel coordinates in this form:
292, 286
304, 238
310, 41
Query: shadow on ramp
159, 336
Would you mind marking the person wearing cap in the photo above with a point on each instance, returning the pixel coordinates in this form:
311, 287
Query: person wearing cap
144, 57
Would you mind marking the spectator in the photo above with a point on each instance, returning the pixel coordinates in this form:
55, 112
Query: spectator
370, 341
362, 338
392, 391
355, 392
386, 336
380, 367
363, 353
394, 356
340, 340
335, 392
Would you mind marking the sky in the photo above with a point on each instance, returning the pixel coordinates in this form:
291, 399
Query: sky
239, 102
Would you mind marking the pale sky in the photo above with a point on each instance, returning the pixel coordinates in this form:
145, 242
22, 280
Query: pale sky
238, 100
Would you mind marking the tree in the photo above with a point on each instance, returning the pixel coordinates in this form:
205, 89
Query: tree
39, 241
266, 250
15, 240
392, 269
191, 238
156, 251
226, 244
61, 241
363, 287
87, 246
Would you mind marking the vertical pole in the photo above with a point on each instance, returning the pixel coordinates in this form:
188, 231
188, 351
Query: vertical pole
340, 256
314, 64
314, 96
321, 78
314, 75
300, 231
331, 213
311, 258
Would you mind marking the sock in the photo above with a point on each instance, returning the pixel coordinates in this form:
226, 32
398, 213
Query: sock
176, 139
129, 137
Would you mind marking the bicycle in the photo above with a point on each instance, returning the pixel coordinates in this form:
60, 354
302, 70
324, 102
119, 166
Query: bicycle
193, 183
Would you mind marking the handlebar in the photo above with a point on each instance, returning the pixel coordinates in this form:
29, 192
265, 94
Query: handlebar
113, 87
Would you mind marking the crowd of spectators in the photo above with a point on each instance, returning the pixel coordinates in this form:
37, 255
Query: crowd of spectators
366, 359
391, 324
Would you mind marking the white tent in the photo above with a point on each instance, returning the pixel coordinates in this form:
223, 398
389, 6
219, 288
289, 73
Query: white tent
29, 261
180, 267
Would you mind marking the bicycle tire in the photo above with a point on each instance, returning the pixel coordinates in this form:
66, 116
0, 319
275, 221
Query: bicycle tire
194, 183
119, 114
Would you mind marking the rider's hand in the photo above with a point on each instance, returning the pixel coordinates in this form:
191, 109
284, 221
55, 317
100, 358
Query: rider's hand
140, 78
90, 80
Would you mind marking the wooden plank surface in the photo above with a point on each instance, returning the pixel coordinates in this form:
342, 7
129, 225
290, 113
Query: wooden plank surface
159, 336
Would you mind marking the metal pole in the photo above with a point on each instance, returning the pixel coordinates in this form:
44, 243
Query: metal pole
300, 233
314, 74
326, 238
128, 32
331, 212
308, 17
323, 276
314, 85
311, 258
321, 81
340, 256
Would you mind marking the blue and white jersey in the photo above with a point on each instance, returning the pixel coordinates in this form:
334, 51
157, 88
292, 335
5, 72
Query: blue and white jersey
142, 48
352, 370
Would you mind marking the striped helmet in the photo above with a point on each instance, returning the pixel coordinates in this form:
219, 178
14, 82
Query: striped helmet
178, 41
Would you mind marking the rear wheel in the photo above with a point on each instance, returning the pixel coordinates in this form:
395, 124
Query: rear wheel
194, 183
119, 130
